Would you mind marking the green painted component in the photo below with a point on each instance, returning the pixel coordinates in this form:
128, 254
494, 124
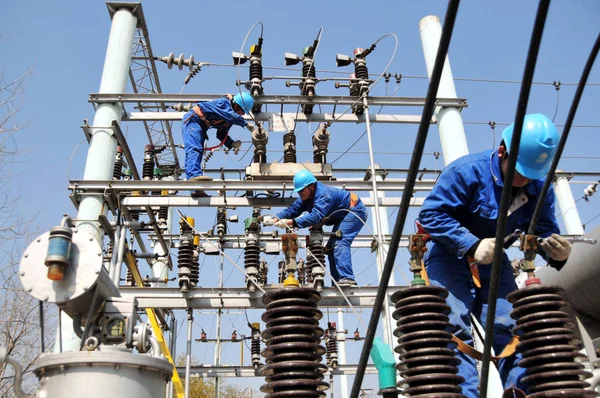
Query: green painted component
384, 361
418, 282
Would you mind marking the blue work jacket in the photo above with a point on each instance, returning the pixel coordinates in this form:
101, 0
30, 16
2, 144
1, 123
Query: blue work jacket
220, 110
462, 207
324, 203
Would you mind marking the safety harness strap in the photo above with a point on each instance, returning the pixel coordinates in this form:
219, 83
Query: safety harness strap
509, 350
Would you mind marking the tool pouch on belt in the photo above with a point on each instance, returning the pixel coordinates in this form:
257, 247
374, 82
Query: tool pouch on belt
353, 199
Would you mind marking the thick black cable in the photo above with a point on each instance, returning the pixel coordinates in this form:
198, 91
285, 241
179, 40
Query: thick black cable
565, 134
505, 201
407, 193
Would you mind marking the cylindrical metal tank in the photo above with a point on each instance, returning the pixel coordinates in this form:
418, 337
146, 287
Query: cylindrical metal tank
580, 277
101, 374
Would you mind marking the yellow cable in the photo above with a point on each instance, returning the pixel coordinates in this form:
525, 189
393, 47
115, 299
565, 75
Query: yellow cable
179, 391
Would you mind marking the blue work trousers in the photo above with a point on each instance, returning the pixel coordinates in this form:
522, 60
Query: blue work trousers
338, 249
194, 136
465, 299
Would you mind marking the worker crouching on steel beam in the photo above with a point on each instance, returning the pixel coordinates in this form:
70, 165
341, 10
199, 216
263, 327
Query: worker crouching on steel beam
461, 214
219, 114
327, 206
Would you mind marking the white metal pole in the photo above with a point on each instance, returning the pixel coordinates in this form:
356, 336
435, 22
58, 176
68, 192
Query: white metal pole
383, 229
103, 145
342, 354
188, 352
449, 120
568, 209
218, 345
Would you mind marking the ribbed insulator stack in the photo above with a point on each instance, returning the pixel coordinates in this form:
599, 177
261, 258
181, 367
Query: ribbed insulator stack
315, 257
185, 258
148, 167
320, 142
195, 270
221, 222
163, 215
427, 364
548, 345
332, 345
129, 279
360, 69
301, 271
289, 147
118, 167
255, 345
263, 270
307, 87
293, 354
251, 254
256, 73
260, 139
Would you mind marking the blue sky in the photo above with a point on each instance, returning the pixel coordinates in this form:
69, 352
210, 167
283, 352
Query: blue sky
65, 44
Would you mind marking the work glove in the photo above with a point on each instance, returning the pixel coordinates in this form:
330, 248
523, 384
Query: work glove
284, 223
236, 145
557, 247
485, 251
250, 126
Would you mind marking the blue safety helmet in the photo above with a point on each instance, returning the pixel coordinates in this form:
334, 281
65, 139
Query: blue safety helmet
302, 179
539, 142
245, 101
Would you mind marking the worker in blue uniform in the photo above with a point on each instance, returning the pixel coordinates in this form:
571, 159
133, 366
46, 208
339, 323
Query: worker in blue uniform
461, 214
219, 114
318, 204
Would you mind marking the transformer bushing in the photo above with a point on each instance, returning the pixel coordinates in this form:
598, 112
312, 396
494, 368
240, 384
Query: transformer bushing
260, 138
289, 248
293, 352
428, 364
118, 167
320, 142
548, 344
315, 257
148, 166
289, 147
185, 257
332, 345
255, 344
252, 248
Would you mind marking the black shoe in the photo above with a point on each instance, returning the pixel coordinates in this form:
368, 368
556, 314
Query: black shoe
346, 282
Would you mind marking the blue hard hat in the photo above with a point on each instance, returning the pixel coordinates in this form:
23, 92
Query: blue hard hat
539, 142
245, 101
302, 179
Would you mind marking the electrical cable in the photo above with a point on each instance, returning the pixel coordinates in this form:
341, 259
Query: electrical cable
365, 132
465, 79
376, 80
565, 134
407, 193
71, 159
557, 103
505, 201
238, 65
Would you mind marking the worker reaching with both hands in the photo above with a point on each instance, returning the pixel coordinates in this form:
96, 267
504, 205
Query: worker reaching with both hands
317, 205
461, 214
219, 114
